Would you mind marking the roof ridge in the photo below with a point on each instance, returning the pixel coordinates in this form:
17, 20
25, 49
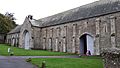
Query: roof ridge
89, 10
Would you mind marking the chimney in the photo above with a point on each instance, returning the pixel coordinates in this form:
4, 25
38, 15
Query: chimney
30, 17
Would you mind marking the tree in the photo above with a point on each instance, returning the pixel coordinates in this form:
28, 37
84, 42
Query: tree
10, 16
7, 22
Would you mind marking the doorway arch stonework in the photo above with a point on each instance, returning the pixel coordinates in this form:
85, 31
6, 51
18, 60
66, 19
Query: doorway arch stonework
26, 39
86, 43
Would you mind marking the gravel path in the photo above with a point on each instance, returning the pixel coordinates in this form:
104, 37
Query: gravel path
19, 61
16, 63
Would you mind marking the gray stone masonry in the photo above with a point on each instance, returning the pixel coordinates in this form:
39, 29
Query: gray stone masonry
111, 58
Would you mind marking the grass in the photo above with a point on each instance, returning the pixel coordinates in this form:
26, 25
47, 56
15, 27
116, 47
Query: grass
83, 62
23, 52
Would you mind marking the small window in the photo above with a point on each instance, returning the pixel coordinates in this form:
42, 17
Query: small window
105, 28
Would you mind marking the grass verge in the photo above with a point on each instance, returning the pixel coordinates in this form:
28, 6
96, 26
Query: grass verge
23, 52
94, 62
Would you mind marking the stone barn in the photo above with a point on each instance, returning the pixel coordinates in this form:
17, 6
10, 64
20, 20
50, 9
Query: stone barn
92, 27
13, 36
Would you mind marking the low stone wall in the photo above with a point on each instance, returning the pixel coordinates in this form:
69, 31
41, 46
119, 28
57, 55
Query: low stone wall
111, 58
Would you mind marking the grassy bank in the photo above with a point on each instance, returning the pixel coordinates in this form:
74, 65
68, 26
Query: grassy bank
23, 52
69, 62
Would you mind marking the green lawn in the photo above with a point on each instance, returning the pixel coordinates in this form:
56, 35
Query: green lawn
23, 52
69, 62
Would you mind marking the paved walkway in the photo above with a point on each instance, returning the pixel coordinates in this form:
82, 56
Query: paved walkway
25, 57
19, 61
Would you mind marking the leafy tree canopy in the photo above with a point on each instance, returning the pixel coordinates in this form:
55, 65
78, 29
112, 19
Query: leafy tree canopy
7, 22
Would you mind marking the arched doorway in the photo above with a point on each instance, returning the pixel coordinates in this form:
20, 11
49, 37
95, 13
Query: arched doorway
86, 43
27, 40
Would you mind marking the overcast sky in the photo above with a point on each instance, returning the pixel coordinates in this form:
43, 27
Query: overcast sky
38, 8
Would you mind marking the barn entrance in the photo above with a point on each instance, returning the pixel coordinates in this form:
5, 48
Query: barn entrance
27, 40
86, 44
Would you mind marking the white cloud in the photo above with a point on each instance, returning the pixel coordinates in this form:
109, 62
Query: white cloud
38, 8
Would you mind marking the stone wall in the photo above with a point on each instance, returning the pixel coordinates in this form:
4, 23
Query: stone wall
26, 27
36, 38
111, 58
13, 39
66, 37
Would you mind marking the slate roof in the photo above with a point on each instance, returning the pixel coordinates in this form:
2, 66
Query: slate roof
37, 23
15, 30
90, 10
